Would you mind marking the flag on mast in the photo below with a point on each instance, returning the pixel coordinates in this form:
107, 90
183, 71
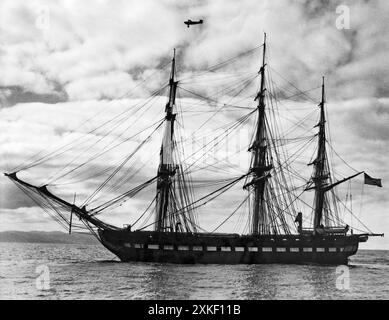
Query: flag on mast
372, 181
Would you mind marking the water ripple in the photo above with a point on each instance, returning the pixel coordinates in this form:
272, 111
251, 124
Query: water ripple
91, 272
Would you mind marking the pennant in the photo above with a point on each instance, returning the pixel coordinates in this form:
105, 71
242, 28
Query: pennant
373, 182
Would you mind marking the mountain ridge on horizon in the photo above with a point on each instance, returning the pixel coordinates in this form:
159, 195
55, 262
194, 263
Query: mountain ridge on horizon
46, 237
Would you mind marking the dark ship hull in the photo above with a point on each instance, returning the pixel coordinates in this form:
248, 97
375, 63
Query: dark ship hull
184, 248
271, 208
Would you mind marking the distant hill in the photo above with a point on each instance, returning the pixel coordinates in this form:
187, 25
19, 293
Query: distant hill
46, 237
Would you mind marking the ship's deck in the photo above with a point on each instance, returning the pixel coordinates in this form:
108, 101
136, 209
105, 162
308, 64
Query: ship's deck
229, 248
231, 240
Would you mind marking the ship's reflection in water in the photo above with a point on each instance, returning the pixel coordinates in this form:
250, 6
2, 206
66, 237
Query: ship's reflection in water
254, 282
239, 282
89, 273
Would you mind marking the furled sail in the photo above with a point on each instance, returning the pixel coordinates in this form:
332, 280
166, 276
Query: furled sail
180, 190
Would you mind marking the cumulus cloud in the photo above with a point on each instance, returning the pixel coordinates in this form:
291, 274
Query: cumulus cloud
63, 61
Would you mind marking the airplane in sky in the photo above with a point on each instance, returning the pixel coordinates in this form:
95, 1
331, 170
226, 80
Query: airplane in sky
191, 23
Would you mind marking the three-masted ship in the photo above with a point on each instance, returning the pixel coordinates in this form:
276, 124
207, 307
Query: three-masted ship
276, 232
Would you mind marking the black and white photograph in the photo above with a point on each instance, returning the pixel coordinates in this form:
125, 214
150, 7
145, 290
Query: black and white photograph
205, 150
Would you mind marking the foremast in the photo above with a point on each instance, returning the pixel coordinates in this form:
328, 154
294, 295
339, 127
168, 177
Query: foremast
167, 169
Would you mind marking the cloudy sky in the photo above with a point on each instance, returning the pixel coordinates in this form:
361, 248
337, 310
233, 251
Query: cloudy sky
63, 61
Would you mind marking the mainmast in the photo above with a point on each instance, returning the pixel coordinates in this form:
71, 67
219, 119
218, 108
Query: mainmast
259, 168
167, 168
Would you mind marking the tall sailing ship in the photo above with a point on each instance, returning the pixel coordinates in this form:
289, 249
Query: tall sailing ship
276, 230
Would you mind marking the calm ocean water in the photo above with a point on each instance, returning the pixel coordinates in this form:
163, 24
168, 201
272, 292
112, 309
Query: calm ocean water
91, 272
